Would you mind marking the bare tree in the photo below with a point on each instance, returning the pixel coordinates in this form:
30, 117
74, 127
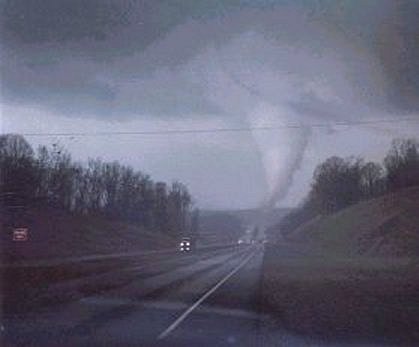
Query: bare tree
103, 188
337, 183
402, 164
372, 179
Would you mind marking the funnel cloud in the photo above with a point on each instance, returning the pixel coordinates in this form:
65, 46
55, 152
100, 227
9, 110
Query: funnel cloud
156, 65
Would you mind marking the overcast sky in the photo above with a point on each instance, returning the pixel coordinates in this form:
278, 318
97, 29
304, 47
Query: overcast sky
126, 65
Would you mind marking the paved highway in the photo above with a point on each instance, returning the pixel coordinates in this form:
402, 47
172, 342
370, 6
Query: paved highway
154, 299
210, 298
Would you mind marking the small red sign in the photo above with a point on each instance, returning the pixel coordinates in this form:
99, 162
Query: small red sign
20, 234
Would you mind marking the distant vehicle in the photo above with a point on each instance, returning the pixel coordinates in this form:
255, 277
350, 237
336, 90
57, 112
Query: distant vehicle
244, 241
186, 244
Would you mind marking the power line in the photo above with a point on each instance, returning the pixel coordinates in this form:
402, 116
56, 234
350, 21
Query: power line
222, 130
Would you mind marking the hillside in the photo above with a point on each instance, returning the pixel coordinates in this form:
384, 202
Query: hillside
252, 216
388, 225
264, 218
219, 227
57, 233
229, 225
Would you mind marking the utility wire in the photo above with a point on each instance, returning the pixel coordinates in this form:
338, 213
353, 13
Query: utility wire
222, 130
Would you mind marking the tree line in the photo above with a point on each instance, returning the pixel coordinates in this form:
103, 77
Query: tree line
340, 182
110, 189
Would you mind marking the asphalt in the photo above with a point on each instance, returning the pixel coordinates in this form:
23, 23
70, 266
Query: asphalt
207, 298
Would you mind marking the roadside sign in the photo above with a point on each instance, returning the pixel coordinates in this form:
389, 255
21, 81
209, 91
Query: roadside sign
20, 234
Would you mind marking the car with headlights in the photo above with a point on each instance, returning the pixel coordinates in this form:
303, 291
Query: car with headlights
185, 245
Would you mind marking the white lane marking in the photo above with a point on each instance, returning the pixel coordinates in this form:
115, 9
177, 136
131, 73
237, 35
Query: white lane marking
185, 314
168, 305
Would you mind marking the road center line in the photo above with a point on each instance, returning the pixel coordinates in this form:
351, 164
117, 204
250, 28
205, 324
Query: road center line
185, 314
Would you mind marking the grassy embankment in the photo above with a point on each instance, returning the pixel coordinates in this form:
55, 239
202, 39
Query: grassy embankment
356, 276
54, 233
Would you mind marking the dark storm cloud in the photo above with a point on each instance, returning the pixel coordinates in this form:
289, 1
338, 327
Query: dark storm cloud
254, 62
99, 29
38, 21
81, 56
398, 48
70, 56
